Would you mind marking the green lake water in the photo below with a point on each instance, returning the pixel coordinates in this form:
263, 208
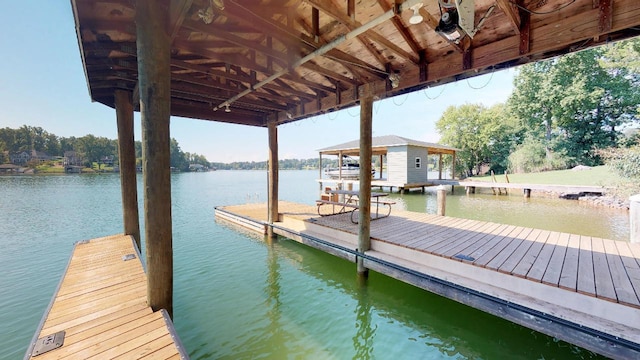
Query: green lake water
236, 297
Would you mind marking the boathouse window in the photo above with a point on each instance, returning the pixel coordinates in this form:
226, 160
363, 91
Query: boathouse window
418, 162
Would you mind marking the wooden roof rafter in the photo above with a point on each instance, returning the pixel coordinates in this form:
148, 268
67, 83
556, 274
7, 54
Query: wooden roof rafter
251, 53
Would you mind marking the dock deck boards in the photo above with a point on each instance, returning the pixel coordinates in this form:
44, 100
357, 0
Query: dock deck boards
587, 280
101, 304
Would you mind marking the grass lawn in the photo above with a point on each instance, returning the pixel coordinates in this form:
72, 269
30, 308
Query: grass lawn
596, 176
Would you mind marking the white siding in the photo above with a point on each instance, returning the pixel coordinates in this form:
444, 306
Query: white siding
397, 164
416, 175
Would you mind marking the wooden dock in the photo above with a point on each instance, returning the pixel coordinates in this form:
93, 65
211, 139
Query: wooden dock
566, 189
580, 289
100, 309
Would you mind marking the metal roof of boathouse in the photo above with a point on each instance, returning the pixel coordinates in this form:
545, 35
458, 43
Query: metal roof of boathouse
380, 144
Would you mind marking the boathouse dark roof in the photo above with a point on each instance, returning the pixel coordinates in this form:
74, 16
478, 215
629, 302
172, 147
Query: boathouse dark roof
380, 144
251, 62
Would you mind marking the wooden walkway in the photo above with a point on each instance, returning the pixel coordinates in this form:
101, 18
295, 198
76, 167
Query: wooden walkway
101, 306
590, 283
572, 189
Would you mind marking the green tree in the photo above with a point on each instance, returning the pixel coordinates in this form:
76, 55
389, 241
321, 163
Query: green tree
178, 158
484, 136
574, 105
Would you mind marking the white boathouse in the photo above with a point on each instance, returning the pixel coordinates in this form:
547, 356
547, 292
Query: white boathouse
403, 163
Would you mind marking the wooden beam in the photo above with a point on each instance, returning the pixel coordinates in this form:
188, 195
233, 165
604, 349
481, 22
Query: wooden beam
606, 16
154, 55
328, 7
177, 12
408, 38
525, 33
351, 9
366, 93
512, 13
127, 165
273, 174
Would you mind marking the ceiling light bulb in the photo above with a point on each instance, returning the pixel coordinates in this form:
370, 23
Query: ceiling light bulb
416, 18
226, 108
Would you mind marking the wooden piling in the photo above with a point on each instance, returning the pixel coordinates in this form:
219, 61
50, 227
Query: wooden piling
127, 156
273, 176
364, 219
527, 193
441, 200
634, 219
154, 79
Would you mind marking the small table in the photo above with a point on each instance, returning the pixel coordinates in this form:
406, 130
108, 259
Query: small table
351, 204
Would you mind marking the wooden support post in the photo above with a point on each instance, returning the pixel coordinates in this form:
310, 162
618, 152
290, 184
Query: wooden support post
320, 173
366, 131
439, 166
154, 77
453, 167
127, 156
441, 199
527, 193
273, 175
634, 219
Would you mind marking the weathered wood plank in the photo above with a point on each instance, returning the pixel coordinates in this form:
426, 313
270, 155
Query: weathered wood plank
622, 284
93, 309
569, 274
586, 281
554, 269
602, 273
496, 247
506, 252
540, 264
631, 265
512, 260
462, 247
523, 267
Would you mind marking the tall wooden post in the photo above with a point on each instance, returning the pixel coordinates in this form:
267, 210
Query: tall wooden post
127, 156
440, 166
381, 167
453, 167
364, 219
154, 79
273, 175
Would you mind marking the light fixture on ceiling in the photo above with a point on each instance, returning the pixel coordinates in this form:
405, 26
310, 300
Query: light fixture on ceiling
218, 4
416, 18
226, 108
207, 14
394, 79
289, 115
457, 20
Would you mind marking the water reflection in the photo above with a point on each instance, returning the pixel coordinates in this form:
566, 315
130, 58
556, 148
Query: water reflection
363, 339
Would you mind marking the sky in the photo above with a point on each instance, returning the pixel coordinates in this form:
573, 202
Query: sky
42, 84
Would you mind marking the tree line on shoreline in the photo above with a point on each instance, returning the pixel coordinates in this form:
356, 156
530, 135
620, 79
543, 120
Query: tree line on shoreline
90, 149
579, 109
93, 150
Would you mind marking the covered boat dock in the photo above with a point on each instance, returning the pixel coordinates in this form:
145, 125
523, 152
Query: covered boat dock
275, 62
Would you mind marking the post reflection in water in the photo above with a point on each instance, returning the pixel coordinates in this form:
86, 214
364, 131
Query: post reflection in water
272, 290
365, 332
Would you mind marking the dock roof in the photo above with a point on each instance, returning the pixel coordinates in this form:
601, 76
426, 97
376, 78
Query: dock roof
254, 62
380, 144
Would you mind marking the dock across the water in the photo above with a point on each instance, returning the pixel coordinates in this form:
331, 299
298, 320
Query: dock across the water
580, 289
100, 309
526, 188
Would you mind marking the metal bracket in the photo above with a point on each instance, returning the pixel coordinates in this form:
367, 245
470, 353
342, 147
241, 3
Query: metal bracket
128, 257
48, 343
